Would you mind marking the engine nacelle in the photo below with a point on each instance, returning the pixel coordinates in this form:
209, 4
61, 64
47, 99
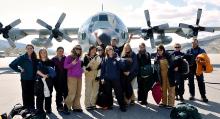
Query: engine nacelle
59, 38
41, 42
165, 40
16, 34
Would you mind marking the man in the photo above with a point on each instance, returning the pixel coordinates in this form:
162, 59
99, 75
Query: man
194, 51
60, 83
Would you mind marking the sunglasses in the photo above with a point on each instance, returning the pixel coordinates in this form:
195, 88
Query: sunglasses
78, 48
177, 47
110, 49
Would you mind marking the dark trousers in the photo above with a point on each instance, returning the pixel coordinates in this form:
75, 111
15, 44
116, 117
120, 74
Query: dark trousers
201, 84
144, 86
28, 93
179, 89
48, 100
116, 85
60, 86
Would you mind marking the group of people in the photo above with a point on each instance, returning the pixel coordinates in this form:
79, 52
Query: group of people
105, 68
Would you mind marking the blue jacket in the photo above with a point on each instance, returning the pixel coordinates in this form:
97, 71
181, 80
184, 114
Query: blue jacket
29, 67
110, 68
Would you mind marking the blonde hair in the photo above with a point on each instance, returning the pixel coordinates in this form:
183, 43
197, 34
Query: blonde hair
107, 49
40, 51
123, 51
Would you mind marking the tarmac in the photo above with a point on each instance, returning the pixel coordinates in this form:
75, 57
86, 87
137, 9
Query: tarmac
10, 94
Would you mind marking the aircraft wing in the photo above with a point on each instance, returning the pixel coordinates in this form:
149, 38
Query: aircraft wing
68, 31
137, 30
216, 28
171, 29
134, 30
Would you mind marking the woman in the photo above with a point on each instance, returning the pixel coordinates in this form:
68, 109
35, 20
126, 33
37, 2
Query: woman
60, 82
129, 73
27, 65
145, 78
110, 76
44, 63
161, 65
91, 63
73, 64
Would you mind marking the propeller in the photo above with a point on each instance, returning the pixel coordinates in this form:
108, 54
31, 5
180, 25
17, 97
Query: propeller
55, 33
149, 32
197, 28
4, 31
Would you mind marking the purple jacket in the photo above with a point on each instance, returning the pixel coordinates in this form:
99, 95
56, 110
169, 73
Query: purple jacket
73, 70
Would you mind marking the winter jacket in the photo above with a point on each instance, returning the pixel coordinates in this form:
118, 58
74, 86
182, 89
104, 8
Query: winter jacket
73, 70
29, 66
111, 67
91, 66
203, 64
61, 72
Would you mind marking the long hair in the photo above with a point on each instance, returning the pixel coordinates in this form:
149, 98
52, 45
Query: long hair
40, 51
90, 49
107, 49
74, 53
124, 52
33, 55
161, 47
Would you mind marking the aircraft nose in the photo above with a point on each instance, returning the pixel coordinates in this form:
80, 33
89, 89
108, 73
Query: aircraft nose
105, 38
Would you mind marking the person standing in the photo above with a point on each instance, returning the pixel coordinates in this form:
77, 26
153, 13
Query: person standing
129, 73
60, 81
110, 76
195, 51
27, 65
43, 72
179, 77
91, 63
162, 66
73, 64
145, 82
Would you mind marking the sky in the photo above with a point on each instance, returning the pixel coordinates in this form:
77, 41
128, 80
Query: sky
130, 11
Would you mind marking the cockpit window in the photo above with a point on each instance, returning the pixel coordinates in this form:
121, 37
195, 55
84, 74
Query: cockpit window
103, 18
95, 18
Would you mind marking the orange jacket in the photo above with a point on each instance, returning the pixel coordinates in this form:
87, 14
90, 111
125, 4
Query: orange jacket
203, 64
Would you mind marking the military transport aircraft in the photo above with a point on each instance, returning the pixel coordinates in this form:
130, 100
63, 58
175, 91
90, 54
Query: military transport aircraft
106, 25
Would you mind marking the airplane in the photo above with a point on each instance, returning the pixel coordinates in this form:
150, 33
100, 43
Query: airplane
107, 25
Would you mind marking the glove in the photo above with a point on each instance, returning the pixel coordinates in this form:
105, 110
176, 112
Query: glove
88, 69
97, 78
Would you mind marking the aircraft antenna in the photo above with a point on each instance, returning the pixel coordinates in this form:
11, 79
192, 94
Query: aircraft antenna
102, 6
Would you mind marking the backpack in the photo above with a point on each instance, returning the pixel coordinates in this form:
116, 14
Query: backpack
184, 67
20, 112
185, 111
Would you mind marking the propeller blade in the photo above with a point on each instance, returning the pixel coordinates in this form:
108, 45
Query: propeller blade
163, 26
199, 12
1, 25
62, 16
152, 42
182, 25
209, 29
15, 23
44, 24
11, 43
147, 17
49, 40
66, 37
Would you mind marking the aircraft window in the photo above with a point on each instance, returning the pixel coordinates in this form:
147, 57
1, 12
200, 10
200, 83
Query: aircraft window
95, 18
117, 30
103, 18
